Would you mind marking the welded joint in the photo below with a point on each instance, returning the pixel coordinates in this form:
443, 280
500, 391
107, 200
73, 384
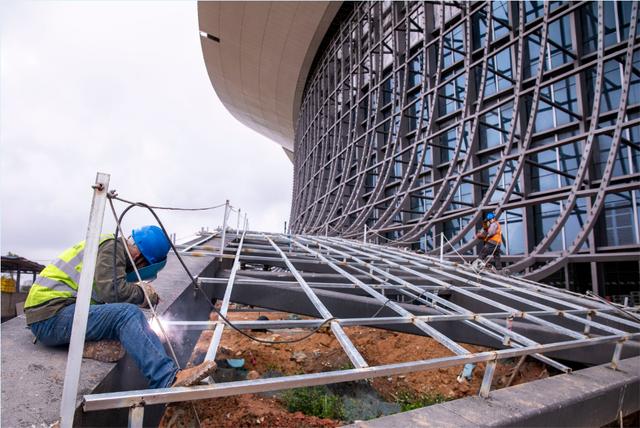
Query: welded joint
615, 361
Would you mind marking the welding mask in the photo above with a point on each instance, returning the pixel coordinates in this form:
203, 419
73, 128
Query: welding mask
147, 273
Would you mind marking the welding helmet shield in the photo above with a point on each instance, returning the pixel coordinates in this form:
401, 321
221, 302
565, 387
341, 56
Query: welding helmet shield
147, 273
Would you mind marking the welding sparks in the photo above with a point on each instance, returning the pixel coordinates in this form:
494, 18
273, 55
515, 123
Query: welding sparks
154, 323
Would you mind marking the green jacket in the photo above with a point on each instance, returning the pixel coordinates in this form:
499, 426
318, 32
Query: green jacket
56, 285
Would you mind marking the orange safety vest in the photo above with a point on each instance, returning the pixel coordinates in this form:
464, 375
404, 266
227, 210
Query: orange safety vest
497, 238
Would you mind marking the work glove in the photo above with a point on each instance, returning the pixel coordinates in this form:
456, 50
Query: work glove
148, 289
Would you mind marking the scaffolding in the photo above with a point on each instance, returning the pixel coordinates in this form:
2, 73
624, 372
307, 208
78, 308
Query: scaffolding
387, 277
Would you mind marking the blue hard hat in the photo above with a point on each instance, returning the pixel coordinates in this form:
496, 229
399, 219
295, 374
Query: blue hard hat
490, 216
152, 243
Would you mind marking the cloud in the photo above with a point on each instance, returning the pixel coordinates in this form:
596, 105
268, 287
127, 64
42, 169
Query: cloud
121, 88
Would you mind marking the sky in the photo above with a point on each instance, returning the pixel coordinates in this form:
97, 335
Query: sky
120, 87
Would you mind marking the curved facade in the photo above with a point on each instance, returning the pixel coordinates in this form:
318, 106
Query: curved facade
418, 118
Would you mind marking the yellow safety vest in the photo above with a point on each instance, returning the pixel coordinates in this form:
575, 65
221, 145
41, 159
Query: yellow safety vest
497, 238
60, 278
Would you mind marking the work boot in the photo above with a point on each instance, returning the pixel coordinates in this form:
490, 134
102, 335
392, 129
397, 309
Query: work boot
107, 351
193, 375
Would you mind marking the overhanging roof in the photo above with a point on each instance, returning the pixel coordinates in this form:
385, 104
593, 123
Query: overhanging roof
258, 55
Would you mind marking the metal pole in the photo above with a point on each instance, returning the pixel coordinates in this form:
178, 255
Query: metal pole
441, 247
238, 223
83, 298
364, 236
136, 416
489, 370
224, 226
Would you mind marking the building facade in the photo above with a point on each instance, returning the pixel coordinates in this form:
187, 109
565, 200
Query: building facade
412, 120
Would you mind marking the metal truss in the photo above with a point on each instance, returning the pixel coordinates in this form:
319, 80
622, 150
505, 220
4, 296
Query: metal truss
386, 277
420, 117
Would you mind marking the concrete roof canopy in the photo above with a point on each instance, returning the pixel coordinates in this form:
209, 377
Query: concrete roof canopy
258, 55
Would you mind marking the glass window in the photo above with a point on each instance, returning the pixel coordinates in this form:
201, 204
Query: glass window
544, 216
421, 202
559, 42
513, 232
453, 50
610, 30
413, 113
633, 135
463, 196
544, 115
495, 126
499, 72
619, 223
565, 95
533, 55
452, 96
448, 142
621, 164
634, 88
575, 223
569, 160
387, 90
479, 28
533, 10
416, 70
612, 87
589, 27
543, 178
500, 18
427, 162
452, 227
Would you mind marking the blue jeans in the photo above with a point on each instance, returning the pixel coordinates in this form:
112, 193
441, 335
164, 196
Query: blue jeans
115, 321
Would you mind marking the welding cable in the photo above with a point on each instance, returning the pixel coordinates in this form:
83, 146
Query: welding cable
193, 281
624, 311
135, 269
168, 208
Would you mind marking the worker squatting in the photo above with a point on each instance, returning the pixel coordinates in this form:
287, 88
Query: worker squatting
114, 315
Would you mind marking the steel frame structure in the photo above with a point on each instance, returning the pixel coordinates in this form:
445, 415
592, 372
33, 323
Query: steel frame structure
419, 117
383, 273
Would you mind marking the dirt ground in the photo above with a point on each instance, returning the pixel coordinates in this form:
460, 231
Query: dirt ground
322, 352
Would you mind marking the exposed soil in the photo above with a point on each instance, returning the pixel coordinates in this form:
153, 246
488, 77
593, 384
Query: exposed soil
322, 352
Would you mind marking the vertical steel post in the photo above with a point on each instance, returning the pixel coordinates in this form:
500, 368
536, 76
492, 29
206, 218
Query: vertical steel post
224, 226
238, 223
83, 298
136, 416
615, 361
485, 388
441, 247
364, 236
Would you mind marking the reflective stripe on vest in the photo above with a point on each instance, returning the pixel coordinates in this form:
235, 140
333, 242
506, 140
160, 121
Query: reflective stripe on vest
60, 278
